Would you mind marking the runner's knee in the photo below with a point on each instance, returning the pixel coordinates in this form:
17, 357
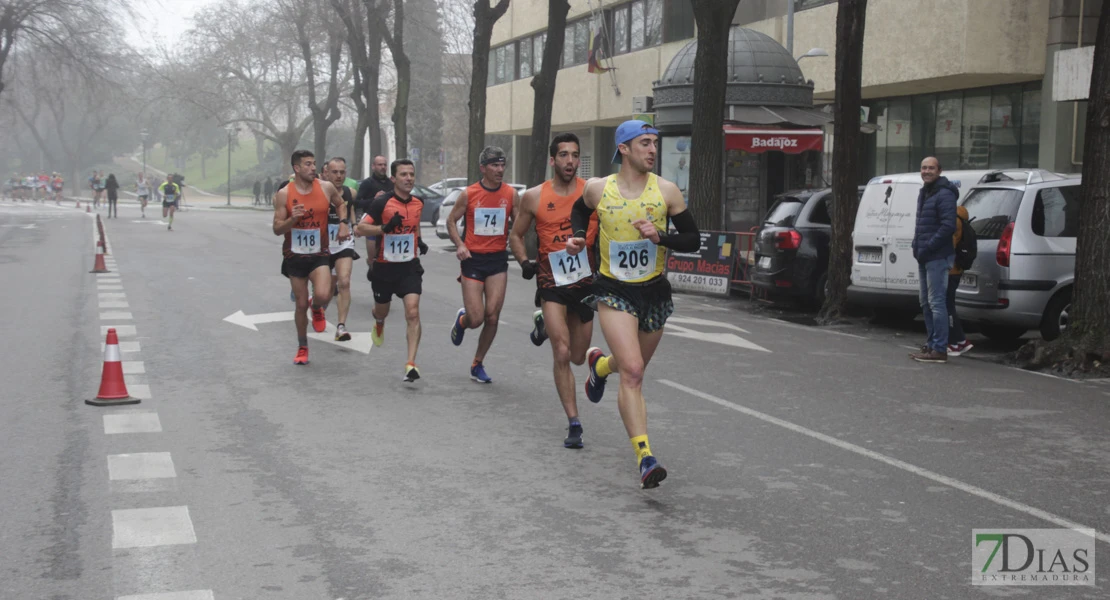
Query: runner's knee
412, 313
491, 318
561, 351
632, 373
344, 284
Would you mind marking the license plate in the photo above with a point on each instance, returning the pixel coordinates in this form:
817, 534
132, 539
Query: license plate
870, 256
765, 262
969, 281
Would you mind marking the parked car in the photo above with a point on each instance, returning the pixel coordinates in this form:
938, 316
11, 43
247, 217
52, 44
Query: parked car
884, 271
445, 185
792, 246
432, 200
449, 202
1024, 270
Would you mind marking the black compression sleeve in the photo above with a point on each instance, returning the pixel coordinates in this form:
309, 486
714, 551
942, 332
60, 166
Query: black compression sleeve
687, 239
580, 217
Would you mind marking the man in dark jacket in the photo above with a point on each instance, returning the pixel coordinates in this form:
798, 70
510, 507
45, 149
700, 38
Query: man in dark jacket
257, 191
376, 183
932, 247
268, 190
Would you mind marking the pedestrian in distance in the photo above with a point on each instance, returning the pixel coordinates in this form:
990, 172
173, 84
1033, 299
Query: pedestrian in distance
112, 187
935, 254
379, 182
257, 189
268, 189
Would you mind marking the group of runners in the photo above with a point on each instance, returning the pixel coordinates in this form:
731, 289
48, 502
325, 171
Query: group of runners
601, 250
41, 187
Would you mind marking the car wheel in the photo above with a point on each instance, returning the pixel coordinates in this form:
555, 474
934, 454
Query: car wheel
1055, 319
1002, 333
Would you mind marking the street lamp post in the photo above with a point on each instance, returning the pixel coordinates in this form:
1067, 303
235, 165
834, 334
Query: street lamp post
231, 130
144, 134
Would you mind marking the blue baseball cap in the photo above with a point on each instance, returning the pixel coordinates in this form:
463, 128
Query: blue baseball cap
628, 131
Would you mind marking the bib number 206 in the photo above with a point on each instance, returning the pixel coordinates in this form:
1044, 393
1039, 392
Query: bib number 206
632, 259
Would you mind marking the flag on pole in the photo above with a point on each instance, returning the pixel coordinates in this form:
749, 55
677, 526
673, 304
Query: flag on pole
596, 50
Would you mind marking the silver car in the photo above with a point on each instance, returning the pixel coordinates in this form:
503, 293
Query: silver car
1025, 267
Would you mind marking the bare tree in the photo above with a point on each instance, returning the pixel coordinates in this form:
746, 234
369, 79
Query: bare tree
364, 44
393, 32
850, 21
69, 29
484, 18
713, 19
1086, 341
544, 85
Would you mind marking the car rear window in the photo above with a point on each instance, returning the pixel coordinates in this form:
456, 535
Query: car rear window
991, 210
784, 213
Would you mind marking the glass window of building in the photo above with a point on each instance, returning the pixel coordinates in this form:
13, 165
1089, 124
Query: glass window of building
975, 138
678, 20
949, 112
923, 128
880, 109
1030, 127
581, 41
525, 53
1005, 125
620, 30
637, 27
898, 136
491, 76
538, 43
568, 46
653, 23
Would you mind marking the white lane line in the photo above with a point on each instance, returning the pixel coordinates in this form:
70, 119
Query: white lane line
138, 390
124, 347
1050, 375
133, 367
821, 329
108, 288
894, 462
145, 465
111, 296
190, 595
113, 304
121, 330
115, 316
148, 527
132, 422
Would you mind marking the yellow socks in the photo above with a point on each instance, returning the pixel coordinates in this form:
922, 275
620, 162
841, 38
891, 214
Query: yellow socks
603, 370
640, 447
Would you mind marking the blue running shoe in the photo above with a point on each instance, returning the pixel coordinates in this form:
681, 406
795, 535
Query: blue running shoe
574, 436
539, 332
457, 330
478, 373
651, 473
595, 384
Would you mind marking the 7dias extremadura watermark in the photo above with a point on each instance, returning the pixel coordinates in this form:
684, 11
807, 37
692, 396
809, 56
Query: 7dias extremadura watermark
1033, 557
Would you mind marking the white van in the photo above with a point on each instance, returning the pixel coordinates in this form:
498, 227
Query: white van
884, 271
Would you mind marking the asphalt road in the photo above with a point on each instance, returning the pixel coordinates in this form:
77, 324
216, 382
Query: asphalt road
804, 462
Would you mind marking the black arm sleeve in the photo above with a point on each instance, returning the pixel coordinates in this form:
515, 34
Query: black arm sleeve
377, 207
580, 217
687, 239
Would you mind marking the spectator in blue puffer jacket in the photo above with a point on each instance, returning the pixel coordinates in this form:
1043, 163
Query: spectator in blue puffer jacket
932, 247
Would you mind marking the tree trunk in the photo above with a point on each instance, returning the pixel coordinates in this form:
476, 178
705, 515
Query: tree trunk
850, 20
1087, 338
544, 85
396, 41
713, 19
484, 18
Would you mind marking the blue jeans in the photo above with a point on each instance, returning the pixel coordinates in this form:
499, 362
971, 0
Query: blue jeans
933, 278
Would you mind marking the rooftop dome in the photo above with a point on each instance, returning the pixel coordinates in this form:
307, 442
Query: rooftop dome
760, 73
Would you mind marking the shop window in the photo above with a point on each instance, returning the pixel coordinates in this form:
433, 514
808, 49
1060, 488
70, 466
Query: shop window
898, 136
1005, 127
975, 133
923, 128
946, 138
1056, 212
1030, 127
678, 20
525, 54
879, 109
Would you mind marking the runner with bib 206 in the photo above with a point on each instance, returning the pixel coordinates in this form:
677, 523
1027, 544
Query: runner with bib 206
395, 219
487, 206
562, 280
631, 294
301, 215
343, 255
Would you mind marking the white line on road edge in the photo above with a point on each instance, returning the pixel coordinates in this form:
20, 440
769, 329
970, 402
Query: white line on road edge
823, 329
894, 462
190, 595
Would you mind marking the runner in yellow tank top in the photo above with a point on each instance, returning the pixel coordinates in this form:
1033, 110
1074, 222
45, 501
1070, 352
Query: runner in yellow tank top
632, 296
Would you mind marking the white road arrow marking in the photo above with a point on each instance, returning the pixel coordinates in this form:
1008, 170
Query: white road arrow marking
249, 321
31, 226
727, 339
705, 322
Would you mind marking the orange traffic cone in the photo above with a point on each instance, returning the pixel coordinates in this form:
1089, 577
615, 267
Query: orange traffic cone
113, 390
88, 207
99, 266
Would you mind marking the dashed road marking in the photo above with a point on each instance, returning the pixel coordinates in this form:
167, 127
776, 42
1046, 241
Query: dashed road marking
113, 304
132, 422
115, 316
144, 465
111, 296
133, 367
894, 462
121, 330
149, 527
138, 390
190, 595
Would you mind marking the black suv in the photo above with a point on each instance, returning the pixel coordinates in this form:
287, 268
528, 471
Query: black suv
792, 246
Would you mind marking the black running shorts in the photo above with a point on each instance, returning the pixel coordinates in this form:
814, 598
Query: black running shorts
301, 266
570, 297
650, 301
401, 285
480, 266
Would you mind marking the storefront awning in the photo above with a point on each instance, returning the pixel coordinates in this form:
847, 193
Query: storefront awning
790, 141
779, 115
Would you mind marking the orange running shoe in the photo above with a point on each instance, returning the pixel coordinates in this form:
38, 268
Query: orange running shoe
319, 321
302, 356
